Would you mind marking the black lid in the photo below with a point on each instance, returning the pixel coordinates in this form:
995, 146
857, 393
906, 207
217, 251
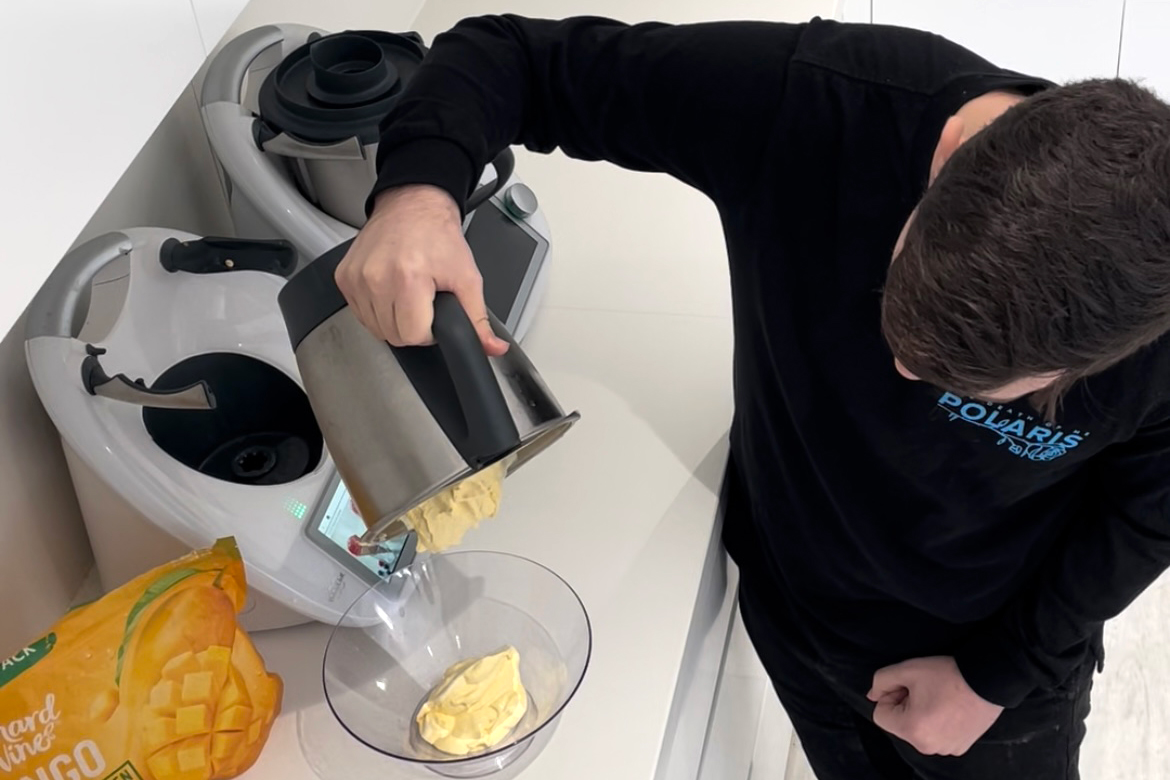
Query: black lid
340, 85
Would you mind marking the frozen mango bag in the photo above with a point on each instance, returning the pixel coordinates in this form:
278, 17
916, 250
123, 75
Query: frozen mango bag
155, 681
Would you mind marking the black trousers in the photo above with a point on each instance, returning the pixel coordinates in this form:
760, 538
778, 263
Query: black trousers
1039, 740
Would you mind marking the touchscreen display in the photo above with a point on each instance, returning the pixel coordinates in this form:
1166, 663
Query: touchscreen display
503, 252
342, 525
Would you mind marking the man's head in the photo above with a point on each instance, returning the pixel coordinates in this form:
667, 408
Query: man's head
1040, 254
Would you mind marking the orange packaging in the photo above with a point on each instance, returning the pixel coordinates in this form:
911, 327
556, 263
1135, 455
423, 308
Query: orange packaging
154, 681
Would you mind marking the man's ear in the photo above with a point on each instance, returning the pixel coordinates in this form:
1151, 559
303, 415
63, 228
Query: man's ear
950, 139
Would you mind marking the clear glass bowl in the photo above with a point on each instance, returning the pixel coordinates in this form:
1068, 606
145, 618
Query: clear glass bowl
408, 630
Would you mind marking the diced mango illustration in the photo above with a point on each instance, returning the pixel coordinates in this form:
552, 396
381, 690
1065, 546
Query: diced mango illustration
187, 622
225, 746
209, 712
159, 732
217, 661
201, 722
197, 686
192, 720
188, 760
164, 697
234, 719
234, 691
180, 666
156, 675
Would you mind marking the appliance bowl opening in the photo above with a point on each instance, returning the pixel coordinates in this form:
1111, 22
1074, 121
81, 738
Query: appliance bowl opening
261, 432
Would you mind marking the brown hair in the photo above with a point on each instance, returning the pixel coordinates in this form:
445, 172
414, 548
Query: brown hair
1043, 245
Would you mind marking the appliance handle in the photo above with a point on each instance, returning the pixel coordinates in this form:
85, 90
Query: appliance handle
225, 73
505, 164
59, 305
263, 186
215, 254
491, 431
134, 391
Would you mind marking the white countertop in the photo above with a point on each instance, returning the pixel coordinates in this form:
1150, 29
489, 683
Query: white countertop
623, 508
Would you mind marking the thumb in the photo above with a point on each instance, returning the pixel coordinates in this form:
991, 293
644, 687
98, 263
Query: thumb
470, 296
892, 717
890, 680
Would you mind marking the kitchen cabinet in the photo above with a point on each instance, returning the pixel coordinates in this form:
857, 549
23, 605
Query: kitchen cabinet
1143, 44
1058, 40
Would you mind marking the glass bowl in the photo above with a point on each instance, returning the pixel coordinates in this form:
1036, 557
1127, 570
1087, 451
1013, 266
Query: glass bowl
396, 641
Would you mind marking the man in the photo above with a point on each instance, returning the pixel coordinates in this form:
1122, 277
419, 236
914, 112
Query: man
950, 457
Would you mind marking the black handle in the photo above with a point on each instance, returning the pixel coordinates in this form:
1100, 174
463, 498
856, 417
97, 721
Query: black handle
504, 164
453, 377
491, 431
218, 255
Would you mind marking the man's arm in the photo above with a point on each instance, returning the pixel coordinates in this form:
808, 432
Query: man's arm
697, 101
1114, 552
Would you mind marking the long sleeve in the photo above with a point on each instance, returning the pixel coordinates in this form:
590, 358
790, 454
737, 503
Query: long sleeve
697, 102
1115, 550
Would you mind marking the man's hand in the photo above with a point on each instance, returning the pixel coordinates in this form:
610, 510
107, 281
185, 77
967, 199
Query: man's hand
926, 702
411, 247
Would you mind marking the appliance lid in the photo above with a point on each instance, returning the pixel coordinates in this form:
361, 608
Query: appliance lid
341, 85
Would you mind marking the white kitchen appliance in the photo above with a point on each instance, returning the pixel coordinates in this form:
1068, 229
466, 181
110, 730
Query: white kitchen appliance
131, 340
292, 114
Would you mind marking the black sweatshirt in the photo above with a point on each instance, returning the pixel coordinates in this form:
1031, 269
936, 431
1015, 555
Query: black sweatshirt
887, 519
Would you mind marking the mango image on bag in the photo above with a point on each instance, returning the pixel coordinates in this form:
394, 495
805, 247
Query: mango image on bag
155, 681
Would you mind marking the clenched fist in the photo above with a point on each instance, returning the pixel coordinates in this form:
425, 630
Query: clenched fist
926, 702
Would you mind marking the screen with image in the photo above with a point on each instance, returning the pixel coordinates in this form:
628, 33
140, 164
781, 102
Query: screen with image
342, 524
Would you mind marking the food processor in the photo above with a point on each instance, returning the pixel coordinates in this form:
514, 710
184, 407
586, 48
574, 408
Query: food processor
165, 363
292, 114
120, 304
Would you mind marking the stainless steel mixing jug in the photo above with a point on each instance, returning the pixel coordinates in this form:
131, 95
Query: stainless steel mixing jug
404, 423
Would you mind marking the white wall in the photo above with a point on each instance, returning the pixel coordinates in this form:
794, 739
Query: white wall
1143, 44
1051, 38
854, 11
214, 17
332, 15
86, 83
